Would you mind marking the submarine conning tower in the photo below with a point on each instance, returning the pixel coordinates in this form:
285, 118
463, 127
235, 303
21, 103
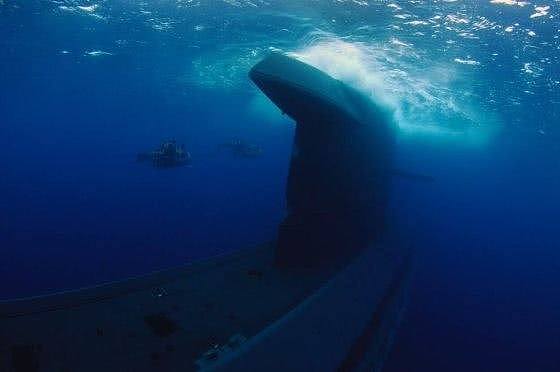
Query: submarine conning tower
338, 182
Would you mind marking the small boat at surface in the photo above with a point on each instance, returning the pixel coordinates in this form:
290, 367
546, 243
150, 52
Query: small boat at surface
327, 294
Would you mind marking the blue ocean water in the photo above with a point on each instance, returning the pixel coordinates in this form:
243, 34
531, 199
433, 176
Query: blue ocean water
475, 87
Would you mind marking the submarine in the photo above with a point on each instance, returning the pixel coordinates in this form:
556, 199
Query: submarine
328, 293
168, 155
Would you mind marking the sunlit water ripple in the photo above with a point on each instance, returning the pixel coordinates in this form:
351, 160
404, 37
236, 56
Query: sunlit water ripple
450, 65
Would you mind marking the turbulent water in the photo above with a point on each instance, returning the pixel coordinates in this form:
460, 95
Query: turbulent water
474, 87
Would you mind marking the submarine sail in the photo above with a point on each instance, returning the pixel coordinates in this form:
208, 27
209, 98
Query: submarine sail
338, 183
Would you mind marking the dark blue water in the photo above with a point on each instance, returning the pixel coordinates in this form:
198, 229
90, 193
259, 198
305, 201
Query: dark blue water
475, 88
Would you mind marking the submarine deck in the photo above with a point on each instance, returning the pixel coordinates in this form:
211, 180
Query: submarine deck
168, 319
184, 319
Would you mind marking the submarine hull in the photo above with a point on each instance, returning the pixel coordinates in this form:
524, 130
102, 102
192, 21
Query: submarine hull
327, 295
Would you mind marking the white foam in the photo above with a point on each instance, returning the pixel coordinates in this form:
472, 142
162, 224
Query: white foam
532, 68
540, 11
67, 8
89, 9
423, 99
97, 53
349, 62
527, 68
83, 10
396, 41
417, 23
470, 62
456, 19
510, 2
360, 2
